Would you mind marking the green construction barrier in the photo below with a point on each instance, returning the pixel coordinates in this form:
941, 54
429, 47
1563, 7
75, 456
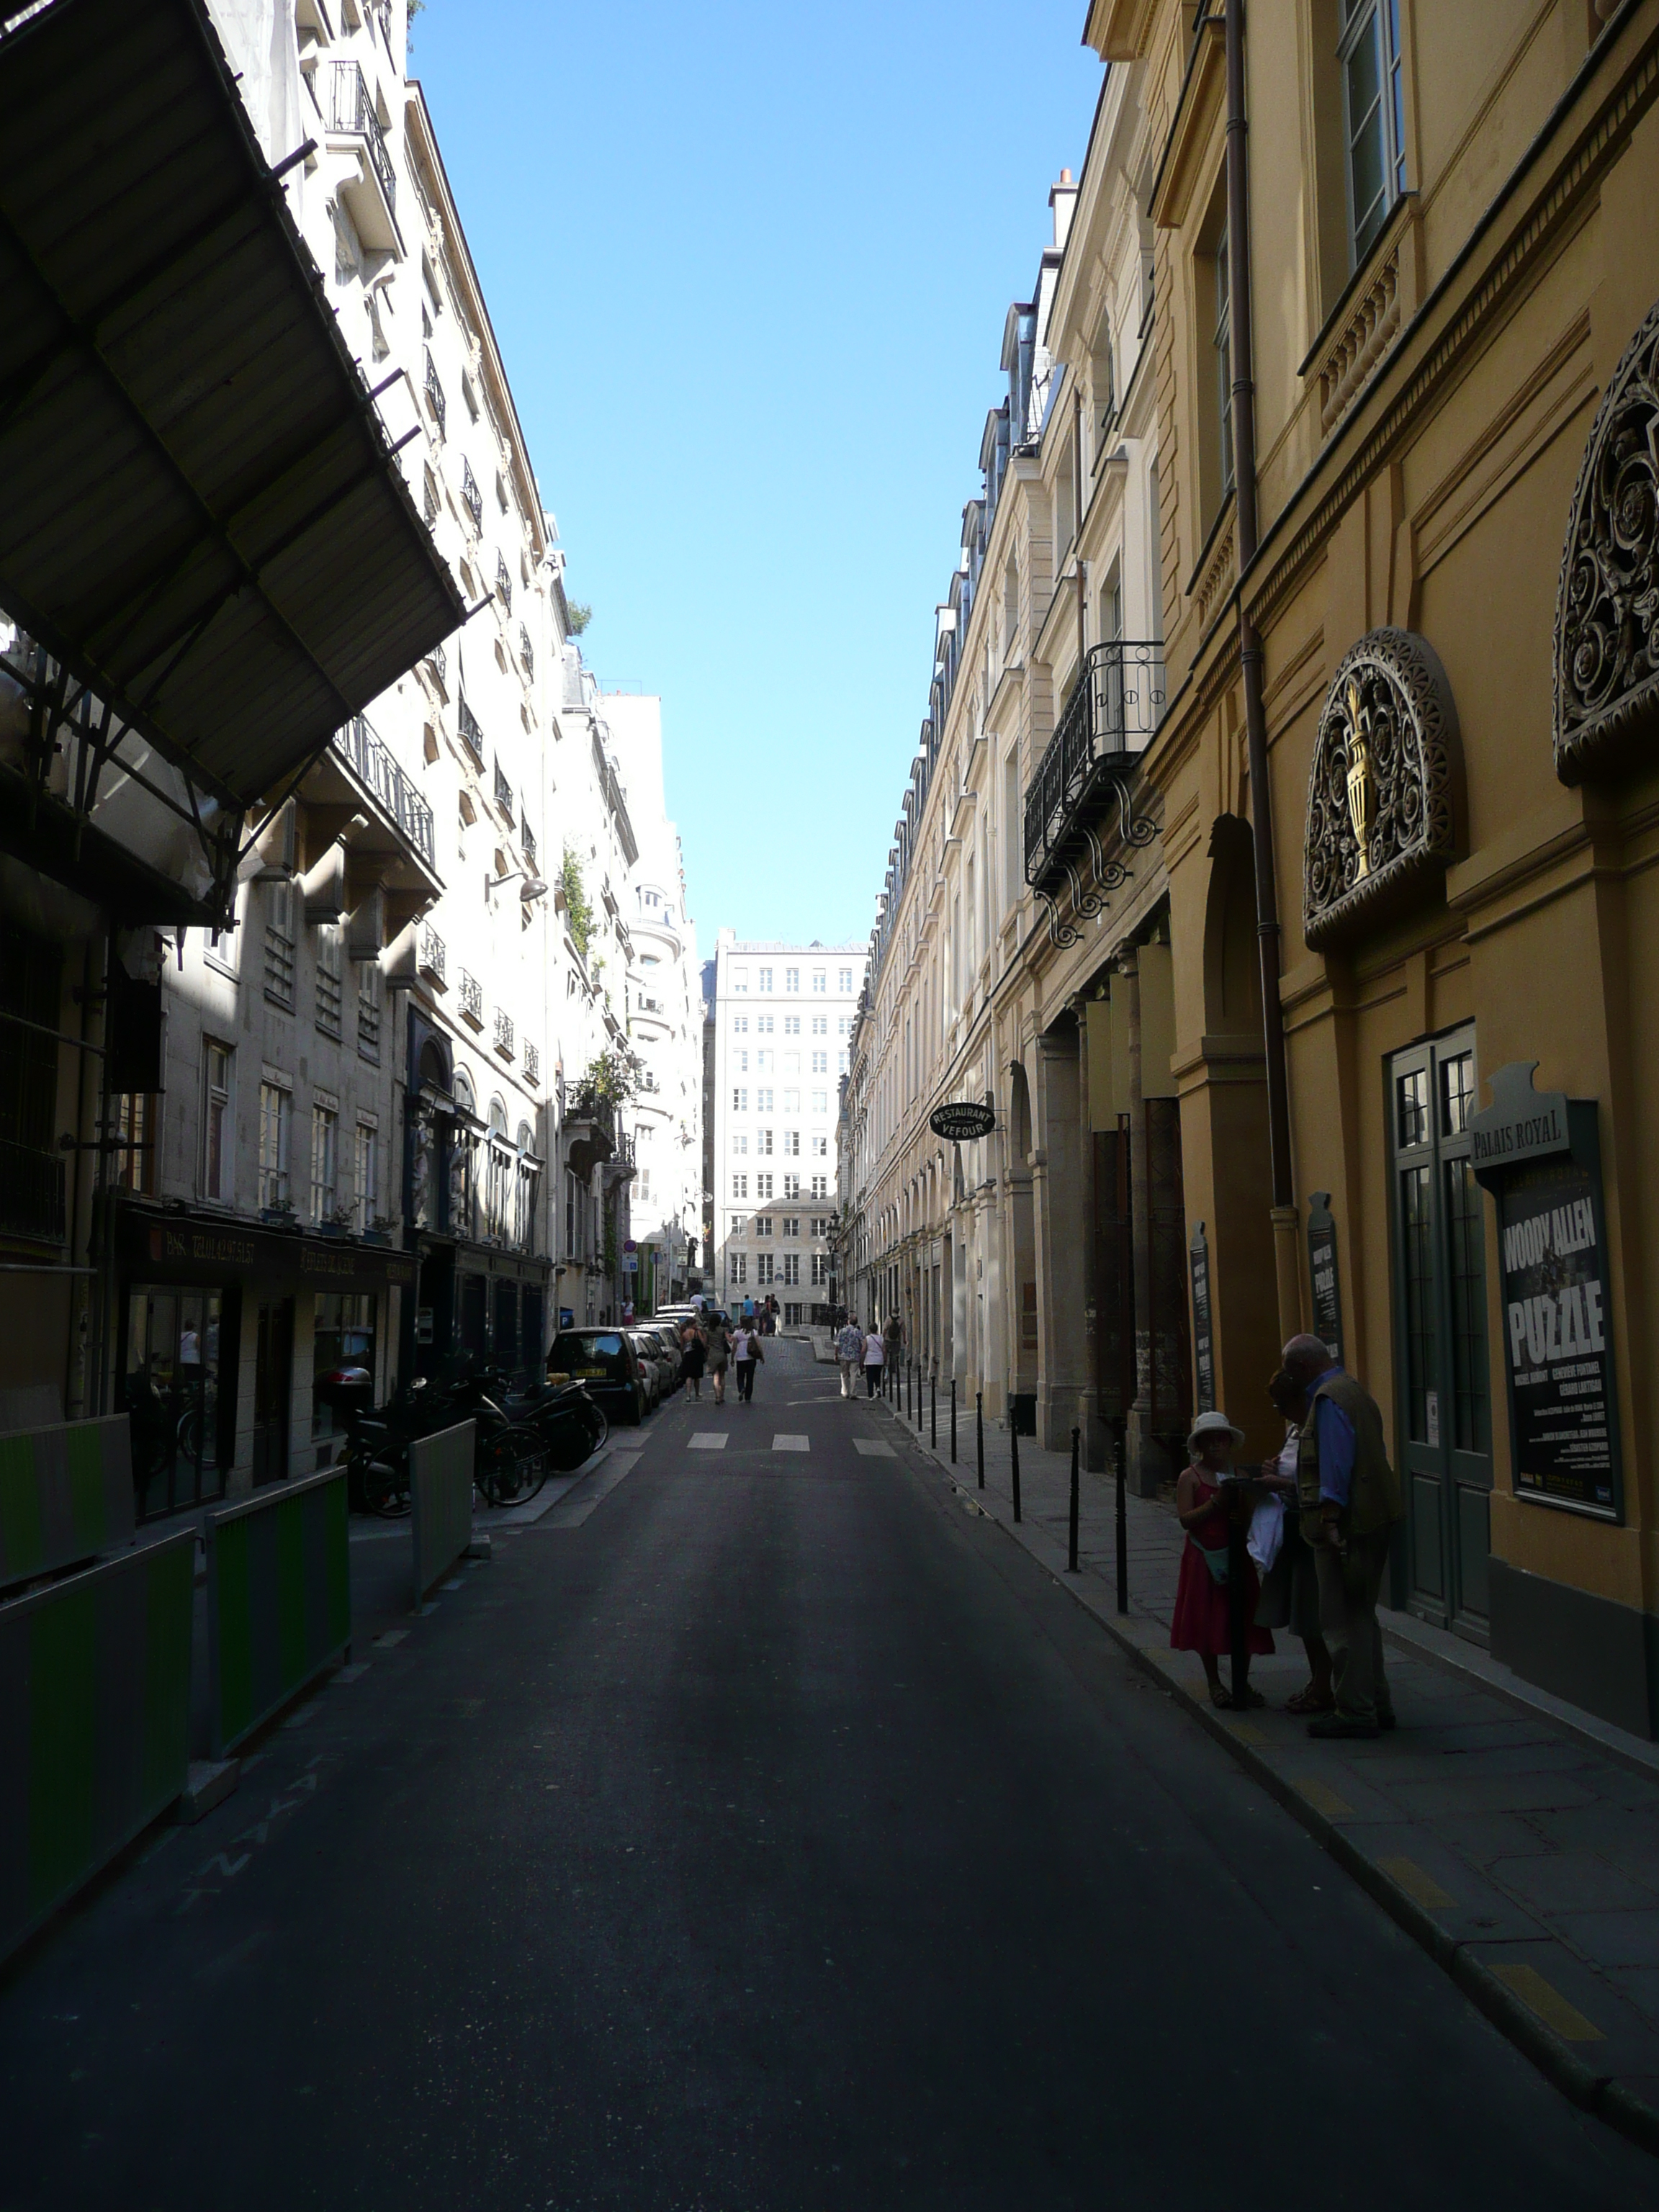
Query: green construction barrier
65, 1495
441, 1502
278, 1600
94, 1722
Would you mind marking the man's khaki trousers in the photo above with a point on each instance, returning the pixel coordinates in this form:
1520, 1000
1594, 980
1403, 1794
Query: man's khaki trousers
1349, 1583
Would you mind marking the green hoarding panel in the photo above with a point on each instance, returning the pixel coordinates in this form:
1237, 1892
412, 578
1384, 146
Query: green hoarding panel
279, 1600
441, 1502
94, 1722
66, 1494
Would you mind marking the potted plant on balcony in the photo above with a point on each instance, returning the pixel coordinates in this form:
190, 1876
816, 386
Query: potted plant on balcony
337, 1221
279, 1214
380, 1230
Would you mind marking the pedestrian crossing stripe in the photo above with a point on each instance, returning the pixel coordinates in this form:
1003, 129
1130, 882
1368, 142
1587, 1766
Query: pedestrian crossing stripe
791, 1443
709, 1440
874, 1449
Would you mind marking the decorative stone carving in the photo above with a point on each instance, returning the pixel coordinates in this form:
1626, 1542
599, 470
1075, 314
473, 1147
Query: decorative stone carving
1382, 812
1607, 607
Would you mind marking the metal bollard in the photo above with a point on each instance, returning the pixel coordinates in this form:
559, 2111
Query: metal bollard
1013, 1442
933, 1409
1122, 1517
1071, 1549
953, 1420
979, 1433
922, 1411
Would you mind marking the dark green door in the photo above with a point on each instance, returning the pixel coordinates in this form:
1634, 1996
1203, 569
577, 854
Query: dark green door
1440, 1308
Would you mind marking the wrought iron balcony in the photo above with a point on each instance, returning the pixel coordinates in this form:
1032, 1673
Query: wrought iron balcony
503, 1033
503, 793
524, 653
31, 1193
467, 723
439, 660
372, 764
471, 999
527, 839
532, 1063
351, 108
470, 494
435, 393
434, 956
503, 584
1109, 719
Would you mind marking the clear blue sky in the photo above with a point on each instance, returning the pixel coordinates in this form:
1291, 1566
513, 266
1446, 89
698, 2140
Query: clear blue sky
748, 265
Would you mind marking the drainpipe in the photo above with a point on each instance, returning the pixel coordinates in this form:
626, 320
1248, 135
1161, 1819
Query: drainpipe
1249, 653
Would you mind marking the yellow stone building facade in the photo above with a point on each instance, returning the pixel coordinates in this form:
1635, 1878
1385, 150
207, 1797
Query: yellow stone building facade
1373, 991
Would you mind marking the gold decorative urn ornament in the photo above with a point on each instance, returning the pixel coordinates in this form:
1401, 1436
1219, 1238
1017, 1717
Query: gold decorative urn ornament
1360, 779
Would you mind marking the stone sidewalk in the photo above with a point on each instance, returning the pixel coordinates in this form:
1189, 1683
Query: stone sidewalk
1519, 1846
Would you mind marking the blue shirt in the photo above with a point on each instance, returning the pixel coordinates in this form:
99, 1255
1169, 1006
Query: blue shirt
1333, 1432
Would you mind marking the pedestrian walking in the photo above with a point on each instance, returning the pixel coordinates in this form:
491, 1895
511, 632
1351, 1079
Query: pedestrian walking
746, 1356
694, 1353
850, 1354
1206, 1501
1290, 1577
1350, 1498
719, 1342
893, 1340
875, 1359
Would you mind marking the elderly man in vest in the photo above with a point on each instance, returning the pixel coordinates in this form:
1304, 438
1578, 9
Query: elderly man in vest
1350, 1499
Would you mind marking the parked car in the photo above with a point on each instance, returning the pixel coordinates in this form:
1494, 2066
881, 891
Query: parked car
666, 1335
650, 1357
606, 1361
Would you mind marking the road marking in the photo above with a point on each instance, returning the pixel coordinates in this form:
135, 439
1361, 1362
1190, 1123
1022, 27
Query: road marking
384, 1644
1547, 2000
1324, 1799
707, 1440
791, 1443
872, 1449
1246, 1733
1418, 1883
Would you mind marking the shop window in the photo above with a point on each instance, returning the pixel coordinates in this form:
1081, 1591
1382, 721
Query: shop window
170, 1391
341, 1364
132, 1153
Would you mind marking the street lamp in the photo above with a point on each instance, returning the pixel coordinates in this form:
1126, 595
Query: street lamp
532, 887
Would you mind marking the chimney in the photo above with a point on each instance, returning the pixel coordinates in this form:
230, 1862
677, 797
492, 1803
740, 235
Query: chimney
1062, 198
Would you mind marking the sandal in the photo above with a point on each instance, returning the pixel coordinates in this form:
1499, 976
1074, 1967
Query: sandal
1251, 1698
1221, 1698
1306, 1702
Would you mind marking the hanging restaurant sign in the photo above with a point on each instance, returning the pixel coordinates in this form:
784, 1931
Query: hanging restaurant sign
962, 1122
1539, 1153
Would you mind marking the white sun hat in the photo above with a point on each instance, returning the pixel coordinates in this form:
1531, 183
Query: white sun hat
1213, 1425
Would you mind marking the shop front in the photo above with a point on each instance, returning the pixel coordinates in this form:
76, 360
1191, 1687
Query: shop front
243, 1349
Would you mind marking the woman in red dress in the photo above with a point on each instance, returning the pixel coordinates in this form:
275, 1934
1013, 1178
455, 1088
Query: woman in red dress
1205, 1501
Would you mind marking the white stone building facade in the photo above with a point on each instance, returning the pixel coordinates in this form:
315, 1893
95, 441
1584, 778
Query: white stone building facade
783, 1017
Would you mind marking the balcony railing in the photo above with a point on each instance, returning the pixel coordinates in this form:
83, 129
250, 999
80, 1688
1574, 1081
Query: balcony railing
351, 108
471, 494
1109, 719
503, 584
527, 839
357, 745
532, 1063
434, 956
31, 1193
435, 394
471, 999
503, 1033
439, 660
467, 723
503, 793
524, 653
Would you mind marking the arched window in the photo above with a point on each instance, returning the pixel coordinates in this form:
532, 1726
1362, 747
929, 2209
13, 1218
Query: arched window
464, 1094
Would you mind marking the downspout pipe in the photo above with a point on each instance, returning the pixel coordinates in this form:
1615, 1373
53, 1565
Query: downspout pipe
1249, 655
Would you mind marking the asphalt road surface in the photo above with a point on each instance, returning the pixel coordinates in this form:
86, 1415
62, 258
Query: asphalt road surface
770, 1833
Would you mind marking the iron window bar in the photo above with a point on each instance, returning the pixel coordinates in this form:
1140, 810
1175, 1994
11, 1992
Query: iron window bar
524, 653
503, 1032
351, 110
503, 583
1109, 719
372, 765
503, 793
433, 954
471, 997
438, 659
470, 494
467, 723
435, 393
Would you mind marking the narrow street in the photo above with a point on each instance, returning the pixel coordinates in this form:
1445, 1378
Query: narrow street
769, 1833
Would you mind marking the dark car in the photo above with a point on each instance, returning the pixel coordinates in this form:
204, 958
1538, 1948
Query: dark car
605, 1362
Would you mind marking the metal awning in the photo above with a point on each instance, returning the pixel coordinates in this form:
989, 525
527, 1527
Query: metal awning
200, 516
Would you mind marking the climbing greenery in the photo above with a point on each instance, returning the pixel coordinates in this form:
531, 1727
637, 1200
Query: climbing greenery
579, 915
